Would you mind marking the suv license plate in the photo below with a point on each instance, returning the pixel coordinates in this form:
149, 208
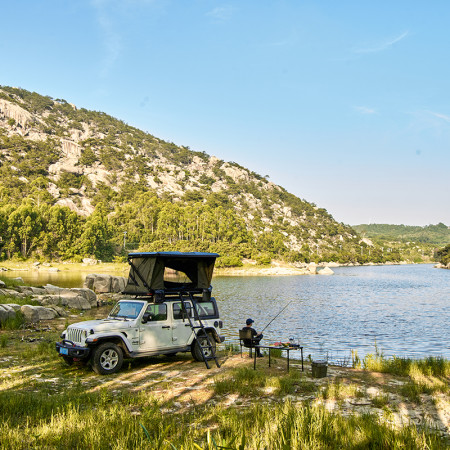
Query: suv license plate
63, 351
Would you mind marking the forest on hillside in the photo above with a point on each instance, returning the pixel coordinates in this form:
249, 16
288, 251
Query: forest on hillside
148, 223
147, 194
438, 235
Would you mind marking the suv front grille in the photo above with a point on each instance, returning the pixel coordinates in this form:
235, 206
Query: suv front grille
76, 334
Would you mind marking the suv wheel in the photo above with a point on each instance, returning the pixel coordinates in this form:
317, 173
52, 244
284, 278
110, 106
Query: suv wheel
107, 359
196, 350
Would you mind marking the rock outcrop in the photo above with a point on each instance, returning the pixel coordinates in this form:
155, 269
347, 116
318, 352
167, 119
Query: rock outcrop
53, 302
103, 283
325, 271
7, 312
37, 313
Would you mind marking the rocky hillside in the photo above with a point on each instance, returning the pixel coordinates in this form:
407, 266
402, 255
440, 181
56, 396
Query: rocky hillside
153, 192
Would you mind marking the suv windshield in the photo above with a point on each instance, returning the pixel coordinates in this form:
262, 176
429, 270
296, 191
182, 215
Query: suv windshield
127, 310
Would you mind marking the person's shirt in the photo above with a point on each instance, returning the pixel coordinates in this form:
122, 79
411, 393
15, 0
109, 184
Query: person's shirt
253, 332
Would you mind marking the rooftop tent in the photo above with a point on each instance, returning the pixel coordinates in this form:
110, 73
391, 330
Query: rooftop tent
149, 272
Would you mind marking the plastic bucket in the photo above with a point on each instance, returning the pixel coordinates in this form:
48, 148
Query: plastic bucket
319, 368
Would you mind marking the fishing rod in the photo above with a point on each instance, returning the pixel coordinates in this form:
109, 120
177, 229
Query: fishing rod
276, 316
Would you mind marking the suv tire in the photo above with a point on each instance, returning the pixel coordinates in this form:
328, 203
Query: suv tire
107, 359
196, 350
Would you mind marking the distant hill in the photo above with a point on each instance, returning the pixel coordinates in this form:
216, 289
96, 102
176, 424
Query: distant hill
75, 182
438, 235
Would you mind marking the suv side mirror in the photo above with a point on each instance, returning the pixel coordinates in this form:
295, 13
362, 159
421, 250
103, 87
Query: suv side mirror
146, 317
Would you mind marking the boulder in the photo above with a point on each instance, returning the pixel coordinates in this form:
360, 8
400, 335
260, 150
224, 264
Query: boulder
14, 306
37, 313
90, 261
51, 289
99, 283
88, 294
6, 312
325, 271
13, 293
332, 264
31, 290
2, 284
89, 281
60, 311
75, 301
18, 279
48, 300
311, 268
118, 284
71, 298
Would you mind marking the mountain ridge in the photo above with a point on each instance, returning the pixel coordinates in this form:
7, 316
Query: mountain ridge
64, 156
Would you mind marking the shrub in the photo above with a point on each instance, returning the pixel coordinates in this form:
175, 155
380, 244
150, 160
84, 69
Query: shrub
229, 261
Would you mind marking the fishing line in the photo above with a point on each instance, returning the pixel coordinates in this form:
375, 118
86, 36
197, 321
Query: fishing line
277, 316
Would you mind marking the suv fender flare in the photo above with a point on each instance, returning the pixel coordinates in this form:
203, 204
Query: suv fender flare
210, 330
95, 339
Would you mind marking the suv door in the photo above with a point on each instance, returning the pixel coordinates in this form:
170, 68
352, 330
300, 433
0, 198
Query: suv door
181, 329
156, 334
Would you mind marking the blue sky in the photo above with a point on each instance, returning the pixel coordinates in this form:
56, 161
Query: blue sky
345, 104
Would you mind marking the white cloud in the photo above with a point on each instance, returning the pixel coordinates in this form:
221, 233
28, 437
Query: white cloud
221, 13
440, 116
381, 46
365, 110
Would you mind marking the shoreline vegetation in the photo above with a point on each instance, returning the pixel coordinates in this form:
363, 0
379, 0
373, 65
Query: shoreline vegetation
249, 268
176, 403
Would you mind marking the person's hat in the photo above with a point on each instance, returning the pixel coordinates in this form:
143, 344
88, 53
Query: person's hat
249, 321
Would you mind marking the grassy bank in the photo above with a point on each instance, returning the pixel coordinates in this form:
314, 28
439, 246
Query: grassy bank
177, 403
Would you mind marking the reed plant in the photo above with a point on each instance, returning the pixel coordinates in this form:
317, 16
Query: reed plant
336, 390
13, 323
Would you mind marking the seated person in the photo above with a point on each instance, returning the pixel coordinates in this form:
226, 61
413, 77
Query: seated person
256, 337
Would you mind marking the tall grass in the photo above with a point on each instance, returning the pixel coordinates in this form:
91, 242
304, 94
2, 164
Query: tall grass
78, 419
10, 282
5, 299
425, 376
13, 323
432, 366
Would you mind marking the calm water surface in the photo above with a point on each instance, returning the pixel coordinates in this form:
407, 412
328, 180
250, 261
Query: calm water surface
404, 309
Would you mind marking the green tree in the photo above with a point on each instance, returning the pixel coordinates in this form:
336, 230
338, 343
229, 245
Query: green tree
97, 233
25, 226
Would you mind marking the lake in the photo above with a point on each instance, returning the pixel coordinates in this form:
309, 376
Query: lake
403, 309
